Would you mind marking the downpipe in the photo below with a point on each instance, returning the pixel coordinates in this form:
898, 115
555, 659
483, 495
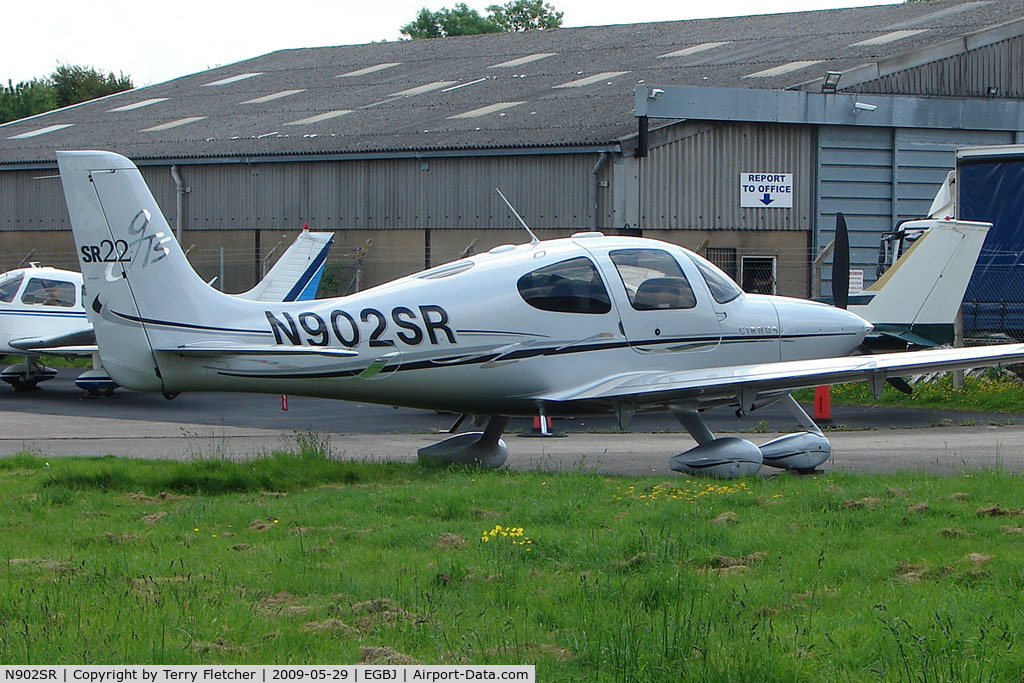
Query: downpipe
179, 201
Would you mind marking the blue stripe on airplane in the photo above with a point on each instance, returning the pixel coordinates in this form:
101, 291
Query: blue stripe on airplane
306, 286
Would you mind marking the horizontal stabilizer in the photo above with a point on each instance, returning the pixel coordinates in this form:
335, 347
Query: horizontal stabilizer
84, 336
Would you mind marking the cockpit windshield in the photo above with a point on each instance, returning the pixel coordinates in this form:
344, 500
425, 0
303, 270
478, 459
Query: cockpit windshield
723, 289
9, 287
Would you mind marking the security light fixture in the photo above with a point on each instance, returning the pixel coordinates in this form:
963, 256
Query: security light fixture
831, 81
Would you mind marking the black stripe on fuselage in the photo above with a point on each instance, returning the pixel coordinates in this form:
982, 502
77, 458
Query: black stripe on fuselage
186, 326
523, 354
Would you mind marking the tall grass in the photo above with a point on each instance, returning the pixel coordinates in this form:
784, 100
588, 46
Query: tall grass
296, 558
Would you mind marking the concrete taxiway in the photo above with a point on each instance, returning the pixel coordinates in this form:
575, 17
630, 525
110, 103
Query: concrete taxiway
945, 449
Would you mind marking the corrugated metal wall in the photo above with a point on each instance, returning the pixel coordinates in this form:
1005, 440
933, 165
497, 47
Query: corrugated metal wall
548, 191
693, 182
879, 176
969, 74
32, 200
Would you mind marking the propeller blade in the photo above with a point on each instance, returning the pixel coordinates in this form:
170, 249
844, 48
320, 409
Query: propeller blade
841, 264
900, 384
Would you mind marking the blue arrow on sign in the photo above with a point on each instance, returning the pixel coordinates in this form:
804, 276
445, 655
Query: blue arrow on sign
766, 200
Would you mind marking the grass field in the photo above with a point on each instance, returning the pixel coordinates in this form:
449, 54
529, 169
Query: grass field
296, 558
994, 391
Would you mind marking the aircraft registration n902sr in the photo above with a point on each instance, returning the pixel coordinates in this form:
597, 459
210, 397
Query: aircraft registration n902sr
569, 326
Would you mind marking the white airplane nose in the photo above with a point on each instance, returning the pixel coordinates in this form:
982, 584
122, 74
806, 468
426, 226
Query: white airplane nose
854, 325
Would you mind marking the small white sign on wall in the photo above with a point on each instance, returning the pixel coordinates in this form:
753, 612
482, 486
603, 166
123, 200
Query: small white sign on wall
856, 281
766, 190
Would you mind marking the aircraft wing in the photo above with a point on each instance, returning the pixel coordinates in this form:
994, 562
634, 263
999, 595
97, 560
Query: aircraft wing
81, 337
747, 382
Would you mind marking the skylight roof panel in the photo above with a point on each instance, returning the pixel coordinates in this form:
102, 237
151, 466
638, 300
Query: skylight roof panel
519, 61
325, 116
940, 14
232, 79
889, 37
694, 49
420, 89
41, 131
368, 70
463, 85
590, 80
173, 124
483, 111
272, 97
140, 105
783, 69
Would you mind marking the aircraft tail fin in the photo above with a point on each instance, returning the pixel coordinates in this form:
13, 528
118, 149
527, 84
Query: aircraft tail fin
296, 275
137, 279
917, 299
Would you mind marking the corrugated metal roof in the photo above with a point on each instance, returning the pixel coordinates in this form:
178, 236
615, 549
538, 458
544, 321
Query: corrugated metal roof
416, 95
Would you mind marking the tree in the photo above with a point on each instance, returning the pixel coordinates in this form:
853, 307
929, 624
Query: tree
517, 15
27, 98
67, 85
525, 15
73, 84
459, 21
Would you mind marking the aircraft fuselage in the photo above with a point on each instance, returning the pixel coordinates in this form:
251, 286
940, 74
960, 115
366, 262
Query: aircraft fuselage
485, 334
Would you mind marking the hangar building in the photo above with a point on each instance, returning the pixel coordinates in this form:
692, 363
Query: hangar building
640, 129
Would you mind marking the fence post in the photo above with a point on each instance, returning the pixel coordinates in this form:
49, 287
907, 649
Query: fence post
958, 341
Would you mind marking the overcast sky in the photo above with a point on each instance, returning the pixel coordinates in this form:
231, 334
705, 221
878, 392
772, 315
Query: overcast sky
155, 42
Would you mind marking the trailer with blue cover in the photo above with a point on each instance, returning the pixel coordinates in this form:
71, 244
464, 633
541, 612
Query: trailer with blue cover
988, 185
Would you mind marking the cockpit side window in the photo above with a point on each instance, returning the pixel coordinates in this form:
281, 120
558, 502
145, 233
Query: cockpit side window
571, 286
653, 279
723, 289
49, 292
9, 287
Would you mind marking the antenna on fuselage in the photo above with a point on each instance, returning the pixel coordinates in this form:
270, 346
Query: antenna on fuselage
533, 238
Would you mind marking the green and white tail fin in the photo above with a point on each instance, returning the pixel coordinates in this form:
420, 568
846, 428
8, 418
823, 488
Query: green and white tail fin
918, 297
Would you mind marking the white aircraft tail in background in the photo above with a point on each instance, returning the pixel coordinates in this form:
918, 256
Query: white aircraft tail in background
296, 275
916, 299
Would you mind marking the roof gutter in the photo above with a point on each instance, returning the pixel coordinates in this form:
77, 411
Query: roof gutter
611, 147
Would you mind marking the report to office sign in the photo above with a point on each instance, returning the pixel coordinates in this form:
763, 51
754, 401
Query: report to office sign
766, 190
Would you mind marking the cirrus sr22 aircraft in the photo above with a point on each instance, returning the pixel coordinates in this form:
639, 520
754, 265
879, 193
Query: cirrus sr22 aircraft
562, 327
42, 313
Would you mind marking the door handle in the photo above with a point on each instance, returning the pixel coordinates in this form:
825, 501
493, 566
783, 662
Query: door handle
721, 315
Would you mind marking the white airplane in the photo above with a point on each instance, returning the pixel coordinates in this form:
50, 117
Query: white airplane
42, 313
560, 327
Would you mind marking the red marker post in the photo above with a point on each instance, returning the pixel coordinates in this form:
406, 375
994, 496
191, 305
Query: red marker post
823, 403
284, 402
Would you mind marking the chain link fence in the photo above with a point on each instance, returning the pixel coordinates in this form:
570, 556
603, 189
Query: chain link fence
229, 270
993, 309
